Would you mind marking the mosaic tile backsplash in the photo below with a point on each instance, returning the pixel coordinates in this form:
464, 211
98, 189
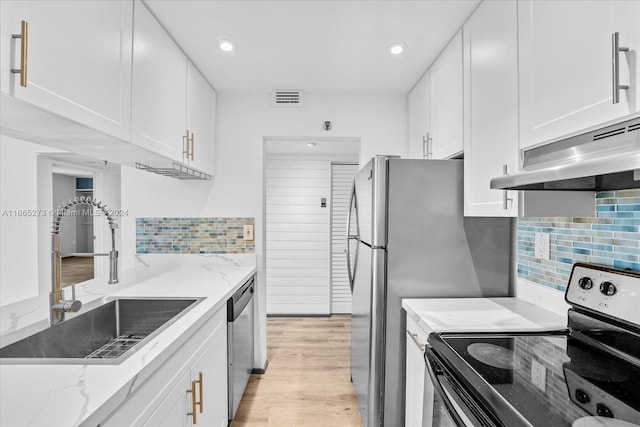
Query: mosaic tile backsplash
610, 238
193, 236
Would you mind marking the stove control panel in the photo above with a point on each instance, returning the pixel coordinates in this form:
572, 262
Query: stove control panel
606, 290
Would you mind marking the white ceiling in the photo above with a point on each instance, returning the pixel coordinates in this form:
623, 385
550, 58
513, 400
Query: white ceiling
313, 45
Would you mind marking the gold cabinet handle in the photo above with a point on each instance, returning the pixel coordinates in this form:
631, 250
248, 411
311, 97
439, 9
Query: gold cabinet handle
185, 144
188, 143
193, 138
414, 337
24, 44
201, 383
194, 399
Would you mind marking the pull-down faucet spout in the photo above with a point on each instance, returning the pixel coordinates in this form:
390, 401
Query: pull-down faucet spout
58, 305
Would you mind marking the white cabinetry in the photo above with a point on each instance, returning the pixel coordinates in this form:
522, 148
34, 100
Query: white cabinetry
419, 118
197, 370
159, 88
566, 79
173, 105
77, 60
446, 101
435, 107
415, 409
490, 107
201, 115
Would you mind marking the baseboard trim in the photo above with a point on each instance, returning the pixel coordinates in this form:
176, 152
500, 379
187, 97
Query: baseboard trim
260, 371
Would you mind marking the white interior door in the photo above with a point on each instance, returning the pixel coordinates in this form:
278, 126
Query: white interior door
298, 234
342, 175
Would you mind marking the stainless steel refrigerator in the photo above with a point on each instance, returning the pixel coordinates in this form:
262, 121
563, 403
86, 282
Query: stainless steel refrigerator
408, 238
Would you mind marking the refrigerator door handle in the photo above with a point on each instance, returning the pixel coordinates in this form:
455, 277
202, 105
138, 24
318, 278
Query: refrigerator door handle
353, 206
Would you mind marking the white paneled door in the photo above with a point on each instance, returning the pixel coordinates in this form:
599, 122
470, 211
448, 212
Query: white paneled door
298, 235
342, 175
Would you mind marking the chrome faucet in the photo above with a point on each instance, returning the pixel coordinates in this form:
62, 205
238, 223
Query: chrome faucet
58, 305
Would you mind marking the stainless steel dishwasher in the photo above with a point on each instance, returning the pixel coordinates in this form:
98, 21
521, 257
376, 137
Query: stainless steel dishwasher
240, 343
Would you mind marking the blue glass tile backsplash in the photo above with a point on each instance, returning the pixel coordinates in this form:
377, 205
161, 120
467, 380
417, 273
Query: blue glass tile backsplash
610, 238
193, 236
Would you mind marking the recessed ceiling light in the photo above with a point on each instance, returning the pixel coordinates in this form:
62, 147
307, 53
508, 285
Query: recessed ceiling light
397, 48
311, 144
227, 45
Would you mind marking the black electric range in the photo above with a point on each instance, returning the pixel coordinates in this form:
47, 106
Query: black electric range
585, 376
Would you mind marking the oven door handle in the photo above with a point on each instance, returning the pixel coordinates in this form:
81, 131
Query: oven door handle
453, 403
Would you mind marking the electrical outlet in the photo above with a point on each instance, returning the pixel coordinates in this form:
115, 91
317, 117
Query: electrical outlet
539, 375
247, 232
542, 246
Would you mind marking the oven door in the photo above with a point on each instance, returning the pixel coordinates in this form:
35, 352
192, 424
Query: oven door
451, 406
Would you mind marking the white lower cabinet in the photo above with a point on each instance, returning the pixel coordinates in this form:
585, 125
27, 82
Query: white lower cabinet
197, 370
415, 410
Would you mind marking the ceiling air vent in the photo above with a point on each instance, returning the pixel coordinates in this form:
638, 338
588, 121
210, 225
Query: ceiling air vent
286, 98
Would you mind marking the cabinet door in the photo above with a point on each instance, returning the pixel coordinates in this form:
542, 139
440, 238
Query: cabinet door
212, 364
201, 119
446, 101
173, 410
159, 88
565, 65
419, 116
490, 106
415, 371
78, 59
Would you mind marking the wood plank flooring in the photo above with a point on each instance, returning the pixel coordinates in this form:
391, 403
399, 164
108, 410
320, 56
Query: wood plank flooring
307, 382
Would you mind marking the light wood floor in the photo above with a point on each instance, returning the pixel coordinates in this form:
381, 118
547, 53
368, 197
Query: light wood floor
76, 270
307, 382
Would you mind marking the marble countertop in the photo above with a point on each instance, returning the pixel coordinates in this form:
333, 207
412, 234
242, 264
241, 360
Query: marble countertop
74, 395
481, 315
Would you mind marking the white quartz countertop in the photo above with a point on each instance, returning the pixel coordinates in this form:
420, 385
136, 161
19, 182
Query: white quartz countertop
481, 315
74, 394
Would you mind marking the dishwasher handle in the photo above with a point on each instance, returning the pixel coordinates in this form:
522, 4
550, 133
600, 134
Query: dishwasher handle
240, 300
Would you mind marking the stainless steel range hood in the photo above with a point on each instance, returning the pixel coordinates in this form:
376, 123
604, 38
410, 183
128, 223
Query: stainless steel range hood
604, 159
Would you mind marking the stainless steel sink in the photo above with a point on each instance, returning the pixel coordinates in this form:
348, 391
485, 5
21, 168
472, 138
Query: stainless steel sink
107, 334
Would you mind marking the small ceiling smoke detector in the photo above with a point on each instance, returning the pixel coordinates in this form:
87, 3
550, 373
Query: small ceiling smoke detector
397, 48
227, 45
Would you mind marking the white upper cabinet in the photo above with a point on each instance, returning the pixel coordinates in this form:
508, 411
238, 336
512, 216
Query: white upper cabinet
419, 118
75, 58
201, 115
446, 101
566, 78
174, 107
490, 107
159, 88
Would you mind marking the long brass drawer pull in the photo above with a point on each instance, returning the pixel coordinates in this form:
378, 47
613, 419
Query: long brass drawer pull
192, 141
24, 45
615, 62
194, 399
201, 383
414, 337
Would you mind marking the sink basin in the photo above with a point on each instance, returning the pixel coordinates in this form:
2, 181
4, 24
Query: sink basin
107, 334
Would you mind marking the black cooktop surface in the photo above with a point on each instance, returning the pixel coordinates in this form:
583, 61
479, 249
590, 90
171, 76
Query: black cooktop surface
550, 380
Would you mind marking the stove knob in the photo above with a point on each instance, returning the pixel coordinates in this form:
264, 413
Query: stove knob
582, 396
603, 411
585, 283
607, 288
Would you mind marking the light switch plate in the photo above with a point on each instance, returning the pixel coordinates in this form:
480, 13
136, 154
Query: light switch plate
247, 232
